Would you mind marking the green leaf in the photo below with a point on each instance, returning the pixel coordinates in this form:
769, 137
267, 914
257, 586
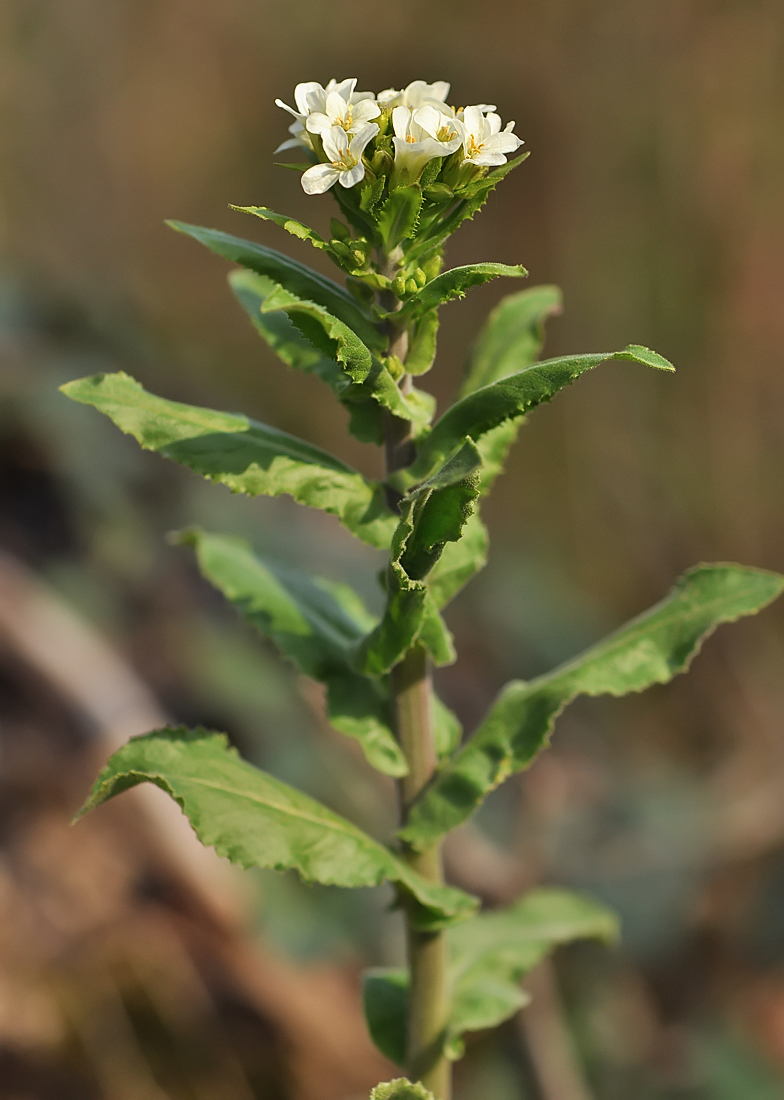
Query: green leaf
385, 1000
299, 349
512, 336
651, 649
255, 820
401, 1089
430, 517
295, 277
325, 332
455, 282
472, 201
486, 408
447, 729
316, 625
510, 341
422, 345
282, 336
397, 218
460, 561
246, 456
291, 225
489, 957
492, 953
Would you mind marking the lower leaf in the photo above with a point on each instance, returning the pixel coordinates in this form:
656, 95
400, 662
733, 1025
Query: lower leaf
255, 820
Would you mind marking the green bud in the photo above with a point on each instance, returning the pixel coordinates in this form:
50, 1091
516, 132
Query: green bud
432, 266
395, 367
420, 277
341, 249
399, 286
339, 230
412, 286
383, 121
382, 162
439, 192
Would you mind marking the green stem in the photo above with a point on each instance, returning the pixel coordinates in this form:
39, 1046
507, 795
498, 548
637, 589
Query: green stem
427, 951
412, 703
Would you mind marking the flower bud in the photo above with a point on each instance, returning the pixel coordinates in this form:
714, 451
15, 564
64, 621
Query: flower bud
439, 192
341, 249
395, 367
420, 277
339, 230
382, 162
411, 286
399, 286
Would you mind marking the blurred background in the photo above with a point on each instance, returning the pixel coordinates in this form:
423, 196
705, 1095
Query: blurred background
132, 968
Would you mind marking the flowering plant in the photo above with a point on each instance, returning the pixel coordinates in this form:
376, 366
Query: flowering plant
406, 169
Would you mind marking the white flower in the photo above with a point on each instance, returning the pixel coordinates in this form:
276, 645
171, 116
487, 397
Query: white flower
348, 112
485, 143
311, 98
344, 159
417, 94
421, 135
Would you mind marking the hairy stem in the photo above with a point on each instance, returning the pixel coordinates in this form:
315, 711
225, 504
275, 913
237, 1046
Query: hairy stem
412, 705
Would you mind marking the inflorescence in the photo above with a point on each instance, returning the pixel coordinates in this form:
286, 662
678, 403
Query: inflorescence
396, 138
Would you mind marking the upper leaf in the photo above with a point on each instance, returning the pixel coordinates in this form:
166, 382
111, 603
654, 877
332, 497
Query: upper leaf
650, 649
460, 561
291, 225
324, 331
471, 200
316, 624
397, 218
454, 283
485, 408
312, 349
247, 456
295, 277
512, 336
256, 820
430, 517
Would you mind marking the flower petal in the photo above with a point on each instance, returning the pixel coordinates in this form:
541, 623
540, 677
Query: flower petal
318, 122
292, 143
360, 139
401, 117
353, 175
319, 179
335, 141
337, 107
309, 97
285, 106
363, 111
474, 121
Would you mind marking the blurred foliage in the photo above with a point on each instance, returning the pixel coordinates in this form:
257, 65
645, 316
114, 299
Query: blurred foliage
653, 197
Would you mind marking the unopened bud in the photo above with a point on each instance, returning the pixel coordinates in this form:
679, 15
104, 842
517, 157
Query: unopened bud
341, 249
439, 192
412, 286
399, 286
420, 277
339, 230
382, 162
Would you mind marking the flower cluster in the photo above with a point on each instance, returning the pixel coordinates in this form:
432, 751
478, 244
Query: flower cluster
353, 134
